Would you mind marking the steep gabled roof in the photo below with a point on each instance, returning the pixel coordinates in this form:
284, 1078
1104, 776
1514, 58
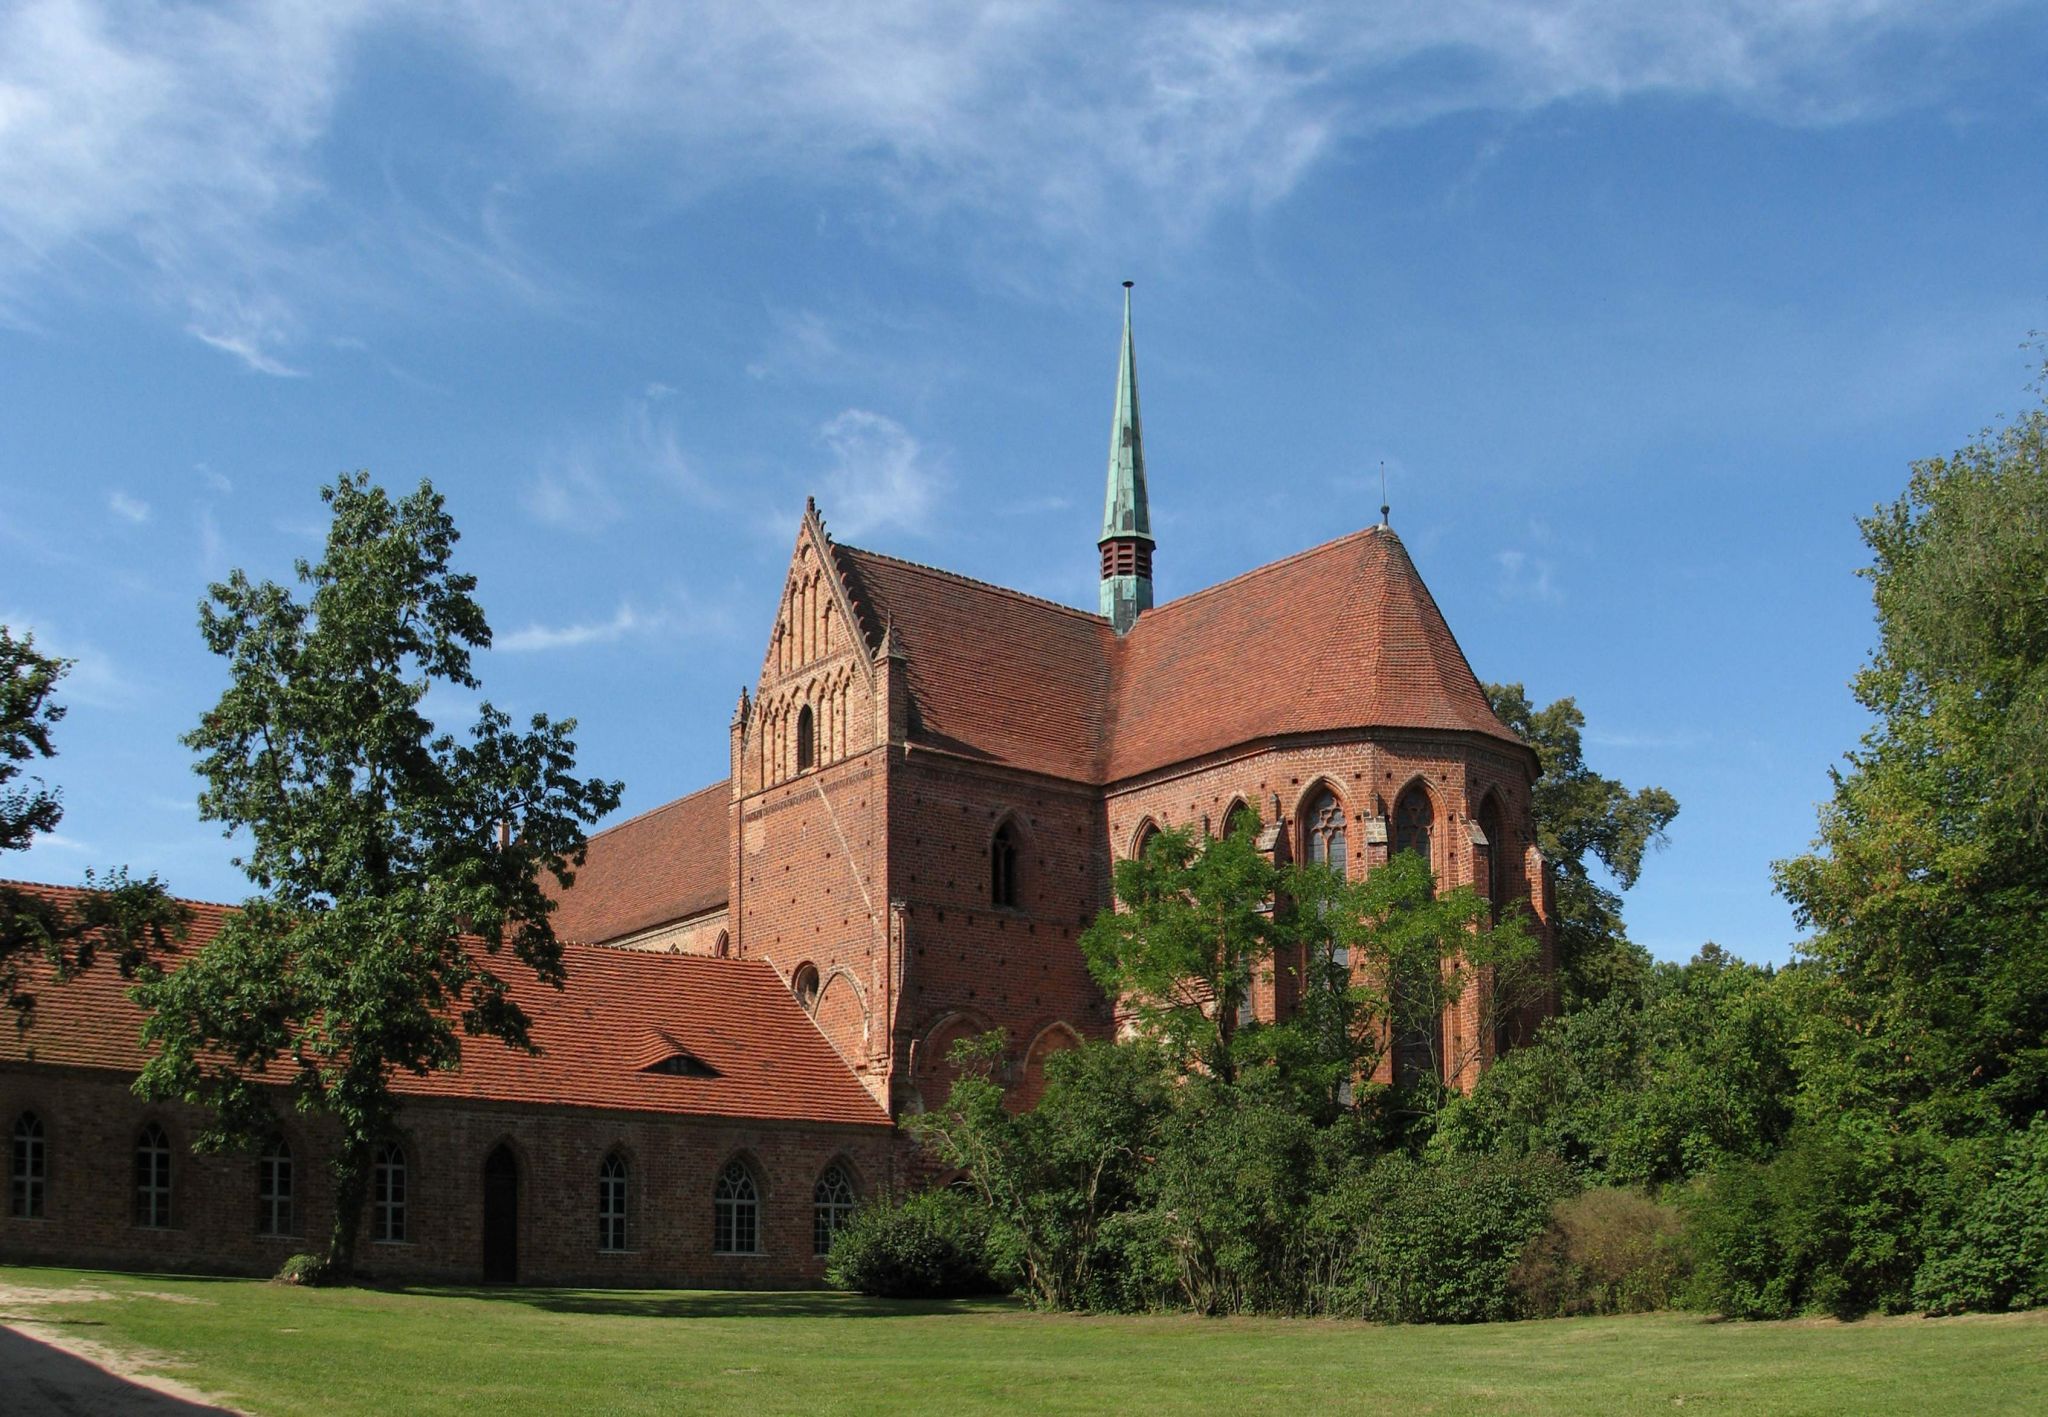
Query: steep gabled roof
662, 865
994, 673
594, 1034
1341, 636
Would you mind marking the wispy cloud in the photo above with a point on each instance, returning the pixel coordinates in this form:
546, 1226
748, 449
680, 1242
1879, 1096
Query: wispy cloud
93, 678
1527, 577
132, 510
879, 476
680, 616
570, 495
577, 486
185, 144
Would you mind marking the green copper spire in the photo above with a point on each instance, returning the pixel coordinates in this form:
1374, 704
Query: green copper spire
1126, 543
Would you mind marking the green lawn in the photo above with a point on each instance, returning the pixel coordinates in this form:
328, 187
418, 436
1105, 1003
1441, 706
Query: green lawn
279, 1350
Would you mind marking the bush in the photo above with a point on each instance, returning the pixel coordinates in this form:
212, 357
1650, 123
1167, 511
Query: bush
1437, 1241
1606, 1251
1827, 1225
931, 1246
1989, 1251
312, 1271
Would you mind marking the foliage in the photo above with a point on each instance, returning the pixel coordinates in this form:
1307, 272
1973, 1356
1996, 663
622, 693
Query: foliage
1987, 1246
1054, 1176
397, 864
1825, 1225
1584, 820
1198, 924
1438, 1241
1928, 886
131, 920
1646, 1092
1605, 1251
309, 1271
933, 1245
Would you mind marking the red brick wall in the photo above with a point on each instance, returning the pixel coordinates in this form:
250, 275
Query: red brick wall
91, 1120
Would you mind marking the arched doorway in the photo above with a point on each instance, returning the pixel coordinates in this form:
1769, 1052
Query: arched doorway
501, 1217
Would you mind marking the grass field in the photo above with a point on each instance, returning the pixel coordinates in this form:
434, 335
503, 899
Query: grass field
275, 1350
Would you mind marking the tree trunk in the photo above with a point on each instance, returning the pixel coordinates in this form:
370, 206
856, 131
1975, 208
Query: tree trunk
351, 1173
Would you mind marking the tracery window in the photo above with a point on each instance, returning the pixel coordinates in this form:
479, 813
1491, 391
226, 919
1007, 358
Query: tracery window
1002, 866
274, 1190
736, 1212
153, 1178
832, 1203
1323, 824
611, 1203
28, 1169
388, 1194
806, 740
1414, 820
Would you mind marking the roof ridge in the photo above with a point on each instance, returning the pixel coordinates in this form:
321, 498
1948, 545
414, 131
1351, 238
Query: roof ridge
612, 947
1374, 530
944, 574
89, 890
724, 782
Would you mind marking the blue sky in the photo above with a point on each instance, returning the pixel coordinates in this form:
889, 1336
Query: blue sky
1640, 304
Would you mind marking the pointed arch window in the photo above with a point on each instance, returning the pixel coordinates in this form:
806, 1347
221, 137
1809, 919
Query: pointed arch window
723, 947
388, 1195
1239, 817
153, 1178
1003, 857
832, 1203
28, 1169
1414, 822
1147, 834
274, 1209
806, 739
736, 1212
611, 1204
1496, 857
1323, 823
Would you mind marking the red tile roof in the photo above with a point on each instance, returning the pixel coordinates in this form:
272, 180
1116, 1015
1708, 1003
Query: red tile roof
598, 1035
662, 865
1342, 636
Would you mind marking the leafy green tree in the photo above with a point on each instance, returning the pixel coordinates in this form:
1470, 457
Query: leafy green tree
1583, 820
1056, 1175
398, 866
1198, 925
127, 918
1927, 889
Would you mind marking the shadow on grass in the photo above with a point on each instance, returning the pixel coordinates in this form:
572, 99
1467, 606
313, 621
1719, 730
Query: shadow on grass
716, 1304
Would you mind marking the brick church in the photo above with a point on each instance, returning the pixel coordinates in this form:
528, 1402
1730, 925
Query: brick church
931, 779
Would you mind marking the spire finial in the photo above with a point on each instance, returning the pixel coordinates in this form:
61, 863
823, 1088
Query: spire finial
1384, 508
1126, 543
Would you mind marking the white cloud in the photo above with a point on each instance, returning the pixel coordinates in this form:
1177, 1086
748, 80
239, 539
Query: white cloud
185, 144
93, 677
569, 495
57, 841
591, 632
681, 615
880, 476
130, 509
1526, 577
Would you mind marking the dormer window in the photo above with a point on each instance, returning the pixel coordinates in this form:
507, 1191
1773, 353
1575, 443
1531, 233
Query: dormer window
682, 1065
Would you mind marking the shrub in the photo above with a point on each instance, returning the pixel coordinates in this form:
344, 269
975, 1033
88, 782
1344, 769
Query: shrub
312, 1271
931, 1246
1605, 1251
1990, 1248
1437, 1241
1827, 1225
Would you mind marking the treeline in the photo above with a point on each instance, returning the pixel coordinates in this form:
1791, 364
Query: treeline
1863, 1130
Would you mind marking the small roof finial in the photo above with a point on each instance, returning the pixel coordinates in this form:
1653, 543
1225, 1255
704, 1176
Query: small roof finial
1384, 509
1129, 283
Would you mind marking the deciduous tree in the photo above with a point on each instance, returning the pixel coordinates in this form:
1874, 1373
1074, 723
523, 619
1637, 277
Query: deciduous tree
399, 868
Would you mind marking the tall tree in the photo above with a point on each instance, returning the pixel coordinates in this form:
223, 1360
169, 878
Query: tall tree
1583, 820
398, 866
1927, 890
128, 918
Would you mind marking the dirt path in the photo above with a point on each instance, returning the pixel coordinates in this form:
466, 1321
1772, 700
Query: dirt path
48, 1370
